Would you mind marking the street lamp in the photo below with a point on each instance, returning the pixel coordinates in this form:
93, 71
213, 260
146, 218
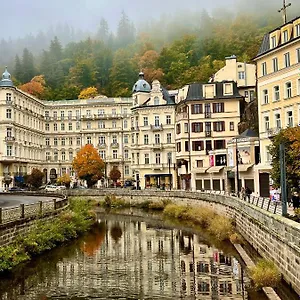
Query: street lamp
237, 167
170, 175
283, 179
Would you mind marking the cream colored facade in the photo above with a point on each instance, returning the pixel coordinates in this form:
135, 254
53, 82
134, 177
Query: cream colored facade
205, 121
240, 72
278, 76
152, 138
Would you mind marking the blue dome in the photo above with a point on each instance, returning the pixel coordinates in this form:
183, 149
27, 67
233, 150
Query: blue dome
6, 79
141, 85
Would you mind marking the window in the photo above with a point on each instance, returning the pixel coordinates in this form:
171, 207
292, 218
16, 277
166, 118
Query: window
273, 42
298, 55
199, 163
100, 112
156, 101
197, 127
114, 139
125, 124
219, 144
285, 36
70, 115
48, 156
62, 126
156, 121
267, 123
8, 150
186, 146
231, 126
126, 154
265, 97
297, 30
47, 114
219, 126
63, 141
63, 155
146, 121
157, 138
169, 157
218, 107
268, 155
70, 155
47, 127
8, 97
168, 119
125, 111
264, 69
186, 127
78, 141
55, 127
47, 142
196, 109
101, 124
88, 125
132, 139
8, 113
55, 156
169, 138
114, 124
290, 121
241, 75
126, 139
275, 64
157, 158
146, 139
70, 141
102, 154
287, 61
276, 93
147, 159
9, 132
288, 90
55, 141
178, 129
197, 145
89, 140
178, 147
113, 111
126, 170
55, 115
77, 125
101, 140
277, 121
88, 113
77, 112
115, 154
70, 127
62, 115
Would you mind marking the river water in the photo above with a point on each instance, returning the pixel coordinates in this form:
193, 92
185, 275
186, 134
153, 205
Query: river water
125, 257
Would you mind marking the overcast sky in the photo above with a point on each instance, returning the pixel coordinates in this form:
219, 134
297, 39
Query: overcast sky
29, 16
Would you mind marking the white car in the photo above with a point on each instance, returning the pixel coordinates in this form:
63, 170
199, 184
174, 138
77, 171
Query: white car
51, 188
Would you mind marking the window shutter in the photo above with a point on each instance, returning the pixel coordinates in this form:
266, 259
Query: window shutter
223, 125
201, 108
201, 127
222, 107
193, 127
215, 144
214, 107
202, 144
215, 126
193, 108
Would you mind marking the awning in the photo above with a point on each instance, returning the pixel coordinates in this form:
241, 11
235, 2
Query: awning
216, 169
243, 168
200, 170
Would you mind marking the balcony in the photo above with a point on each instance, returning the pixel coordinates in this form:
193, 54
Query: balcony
181, 116
102, 145
114, 145
157, 146
271, 132
208, 133
10, 139
156, 127
207, 115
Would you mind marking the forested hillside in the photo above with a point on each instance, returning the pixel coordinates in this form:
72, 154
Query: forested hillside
172, 51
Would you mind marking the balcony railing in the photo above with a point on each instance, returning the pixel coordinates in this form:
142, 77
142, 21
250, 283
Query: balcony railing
181, 116
208, 133
10, 139
157, 146
114, 145
273, 131
156, 127
207, 115
101, 145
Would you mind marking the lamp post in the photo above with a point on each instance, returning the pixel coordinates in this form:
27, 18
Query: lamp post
170, 175
283, 178
237, 167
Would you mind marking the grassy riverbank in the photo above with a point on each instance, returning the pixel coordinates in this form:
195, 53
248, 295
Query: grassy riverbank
46, 235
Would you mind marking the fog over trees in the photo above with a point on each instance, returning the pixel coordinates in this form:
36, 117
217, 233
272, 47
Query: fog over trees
80, 44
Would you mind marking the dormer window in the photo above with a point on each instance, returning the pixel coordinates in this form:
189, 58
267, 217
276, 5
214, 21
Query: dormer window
273, 42
209, 91
228, 88
285, 36
297, 30
156, 100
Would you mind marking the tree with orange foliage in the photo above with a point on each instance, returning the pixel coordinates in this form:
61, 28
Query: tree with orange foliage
114, 174
88, 165
88, 93
35, 87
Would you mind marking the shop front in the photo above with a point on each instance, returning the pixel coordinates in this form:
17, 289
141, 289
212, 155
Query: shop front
158, 181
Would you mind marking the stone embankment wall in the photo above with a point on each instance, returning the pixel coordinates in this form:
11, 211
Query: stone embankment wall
273, 236
16, 221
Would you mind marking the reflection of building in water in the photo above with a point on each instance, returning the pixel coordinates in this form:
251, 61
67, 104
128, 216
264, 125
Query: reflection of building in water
141, 261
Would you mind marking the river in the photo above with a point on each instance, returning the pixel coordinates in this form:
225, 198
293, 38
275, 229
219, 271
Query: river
127, 257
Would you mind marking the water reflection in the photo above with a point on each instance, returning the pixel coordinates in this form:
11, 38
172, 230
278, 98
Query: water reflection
129, 259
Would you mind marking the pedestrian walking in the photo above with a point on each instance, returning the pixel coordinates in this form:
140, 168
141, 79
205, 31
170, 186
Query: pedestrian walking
243, 193
248, 192
296, 200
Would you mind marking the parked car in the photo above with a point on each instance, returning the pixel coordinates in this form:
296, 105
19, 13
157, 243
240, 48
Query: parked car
60, 187
128, 183
15, 189
51, 188
79, 187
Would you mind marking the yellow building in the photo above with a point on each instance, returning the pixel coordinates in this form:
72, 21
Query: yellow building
206, 120
278, 91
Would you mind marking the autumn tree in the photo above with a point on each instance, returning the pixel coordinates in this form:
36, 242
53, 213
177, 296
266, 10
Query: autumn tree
88, 93
115, 174
35, 87
290, 137
88, 165
35, 179
64, 180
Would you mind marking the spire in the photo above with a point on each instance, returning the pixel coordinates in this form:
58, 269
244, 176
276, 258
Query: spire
283, 11
6, 79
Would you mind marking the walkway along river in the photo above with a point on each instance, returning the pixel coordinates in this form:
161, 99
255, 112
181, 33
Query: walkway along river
128, 257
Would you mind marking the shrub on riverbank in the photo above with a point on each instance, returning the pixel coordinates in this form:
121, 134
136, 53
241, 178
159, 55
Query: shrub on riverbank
265, 274
46, 235
220, 226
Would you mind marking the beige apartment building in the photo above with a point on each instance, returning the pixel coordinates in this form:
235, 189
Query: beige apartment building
152, 136
48, 134
278, 75
206, 120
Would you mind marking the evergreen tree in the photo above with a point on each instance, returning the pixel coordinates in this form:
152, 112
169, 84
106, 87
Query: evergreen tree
18, 71
55, 50
103, 31
28, 65
125, 32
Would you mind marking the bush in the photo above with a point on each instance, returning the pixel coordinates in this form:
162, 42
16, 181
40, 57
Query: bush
265, 274
221, 227
156, 205
176, 211
236, 238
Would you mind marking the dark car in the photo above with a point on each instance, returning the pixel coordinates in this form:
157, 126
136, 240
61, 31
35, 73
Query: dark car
128, 183
15, 189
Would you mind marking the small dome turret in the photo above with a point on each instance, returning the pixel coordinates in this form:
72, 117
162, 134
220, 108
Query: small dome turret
6, 79
141, 85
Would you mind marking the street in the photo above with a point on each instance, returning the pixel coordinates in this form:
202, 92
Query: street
8, 200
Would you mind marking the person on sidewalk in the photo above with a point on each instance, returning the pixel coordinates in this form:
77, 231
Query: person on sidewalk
248, 193
296, 200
